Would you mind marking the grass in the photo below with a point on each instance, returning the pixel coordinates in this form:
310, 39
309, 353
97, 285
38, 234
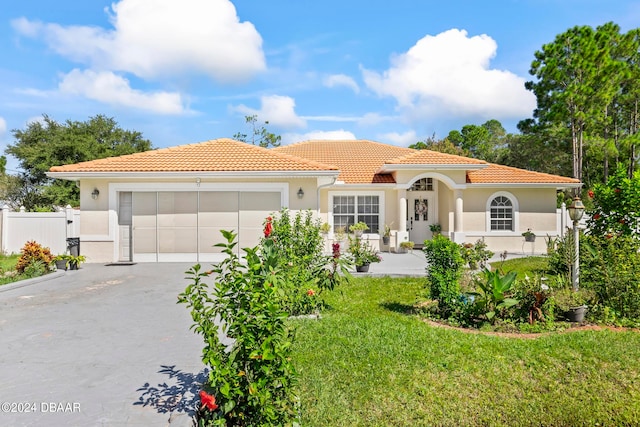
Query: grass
369, 362
526, 265
8, 262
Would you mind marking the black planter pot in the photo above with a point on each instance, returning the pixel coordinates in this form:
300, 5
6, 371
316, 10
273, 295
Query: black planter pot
362, 268
61, 264
385, 240
576, 314
73, 265
529, 238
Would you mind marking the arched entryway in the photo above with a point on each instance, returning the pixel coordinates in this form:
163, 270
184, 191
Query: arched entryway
422, 209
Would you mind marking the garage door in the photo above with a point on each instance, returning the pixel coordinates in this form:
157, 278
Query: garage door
185, 226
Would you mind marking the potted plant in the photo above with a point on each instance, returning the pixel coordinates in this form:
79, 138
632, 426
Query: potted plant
436, 229
406, 246
386, 234
529, 236
573, 304
362, 254
62, 261
551, 244
339, 235
325, 228
358, 228
75, 261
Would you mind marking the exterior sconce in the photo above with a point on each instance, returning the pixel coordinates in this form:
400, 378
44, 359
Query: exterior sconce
300, 193
198, 182
95, 193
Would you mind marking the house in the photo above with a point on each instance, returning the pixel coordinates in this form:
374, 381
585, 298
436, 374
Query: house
170, 204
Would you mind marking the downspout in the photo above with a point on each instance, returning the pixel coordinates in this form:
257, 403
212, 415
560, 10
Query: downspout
318, 193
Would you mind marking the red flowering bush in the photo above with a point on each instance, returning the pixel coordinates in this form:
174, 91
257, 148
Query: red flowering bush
302, 264
251, 375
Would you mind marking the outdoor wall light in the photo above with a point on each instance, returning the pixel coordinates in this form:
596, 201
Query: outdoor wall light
95, 193
300, 193
575, 213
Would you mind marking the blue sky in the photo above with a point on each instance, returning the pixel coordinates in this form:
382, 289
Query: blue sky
190, 70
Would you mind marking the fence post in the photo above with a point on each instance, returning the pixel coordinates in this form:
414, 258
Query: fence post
4, 233
69, 221
563, 218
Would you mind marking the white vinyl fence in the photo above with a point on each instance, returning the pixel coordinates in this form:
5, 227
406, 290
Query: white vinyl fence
50, 229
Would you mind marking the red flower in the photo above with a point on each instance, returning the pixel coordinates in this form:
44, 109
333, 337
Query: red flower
336, 250
311, 292
590, 193
597, 216
208, 400
617, 190
268, 227
621, 221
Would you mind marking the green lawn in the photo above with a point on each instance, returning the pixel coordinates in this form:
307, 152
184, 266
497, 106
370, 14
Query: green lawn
368, 362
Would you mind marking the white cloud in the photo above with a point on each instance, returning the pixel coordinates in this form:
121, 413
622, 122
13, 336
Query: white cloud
277, 110
450, 74
156, 38
341, 80
403, 139
290, 138
3, 126
112, 89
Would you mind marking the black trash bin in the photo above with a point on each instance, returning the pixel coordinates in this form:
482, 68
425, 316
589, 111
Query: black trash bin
73, 245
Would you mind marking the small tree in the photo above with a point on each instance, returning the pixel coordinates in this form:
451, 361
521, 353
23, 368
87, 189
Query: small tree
259, 135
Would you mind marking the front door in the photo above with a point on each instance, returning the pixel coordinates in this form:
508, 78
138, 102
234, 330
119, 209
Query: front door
421, 214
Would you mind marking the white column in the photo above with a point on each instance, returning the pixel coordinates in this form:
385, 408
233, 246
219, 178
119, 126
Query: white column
458, 235
402, 210
5, 235
402, 235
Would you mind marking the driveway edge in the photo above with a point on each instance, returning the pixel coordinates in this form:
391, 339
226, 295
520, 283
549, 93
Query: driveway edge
27, 282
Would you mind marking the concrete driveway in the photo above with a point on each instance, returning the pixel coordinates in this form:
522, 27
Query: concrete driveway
101, 346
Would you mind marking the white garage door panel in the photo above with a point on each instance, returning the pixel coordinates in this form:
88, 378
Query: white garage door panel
254, 208
144, 207
218, 211
185, 226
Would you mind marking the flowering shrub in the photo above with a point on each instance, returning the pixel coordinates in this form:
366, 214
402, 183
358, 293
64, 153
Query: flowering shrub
475, 254
301, 262
251, 376
31, 252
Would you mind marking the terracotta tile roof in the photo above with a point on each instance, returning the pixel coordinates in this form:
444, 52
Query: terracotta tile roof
428, 157
505, 174
218, 155
357, 160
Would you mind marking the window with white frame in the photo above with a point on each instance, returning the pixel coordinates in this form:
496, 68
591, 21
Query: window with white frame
347, 210
501, 214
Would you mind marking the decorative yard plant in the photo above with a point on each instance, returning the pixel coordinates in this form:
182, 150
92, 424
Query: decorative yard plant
494, 293
247, 339
443, 272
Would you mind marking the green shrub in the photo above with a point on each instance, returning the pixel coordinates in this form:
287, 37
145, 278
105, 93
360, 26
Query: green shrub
611, 268
443, 273
251, 379
35, 268
305, 271
616, 205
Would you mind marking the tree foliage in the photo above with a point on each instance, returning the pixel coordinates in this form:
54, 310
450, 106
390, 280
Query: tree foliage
259, 134
48, 143
587, 90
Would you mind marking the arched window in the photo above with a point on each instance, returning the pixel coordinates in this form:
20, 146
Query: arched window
501, 214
